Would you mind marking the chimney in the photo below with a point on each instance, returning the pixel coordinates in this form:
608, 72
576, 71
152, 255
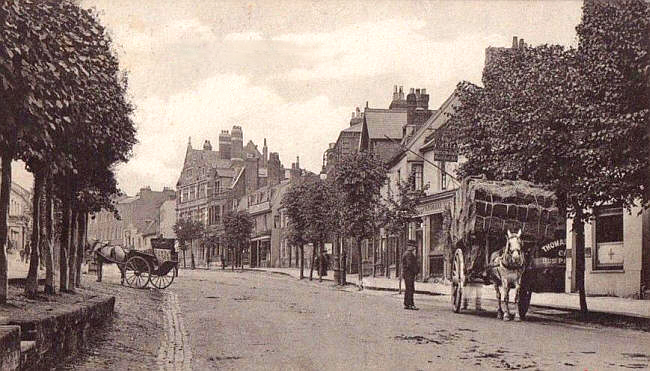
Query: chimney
225, 145
522, 44
297, 162
417, 93
207, 146
411, 105
514, 42
422, 99
395, 94
401, 93
237, 140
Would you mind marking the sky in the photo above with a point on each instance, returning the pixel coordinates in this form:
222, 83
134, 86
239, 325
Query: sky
293, 71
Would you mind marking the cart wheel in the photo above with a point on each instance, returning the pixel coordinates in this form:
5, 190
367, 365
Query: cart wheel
138, 272
524, 301
163, 281
458, 280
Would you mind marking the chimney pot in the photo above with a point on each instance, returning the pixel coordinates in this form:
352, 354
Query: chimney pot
417, 92
522, 44
424, 91
514, 42
395, 91
412, 91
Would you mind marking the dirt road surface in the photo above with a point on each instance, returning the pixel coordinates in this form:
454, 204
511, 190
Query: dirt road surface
264, 321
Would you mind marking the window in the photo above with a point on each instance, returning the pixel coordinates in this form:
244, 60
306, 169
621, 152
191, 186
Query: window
276, 221
609, 252
417, 176
443, 175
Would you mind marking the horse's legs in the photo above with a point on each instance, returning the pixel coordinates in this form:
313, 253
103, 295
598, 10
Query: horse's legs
499, 310
517, 288
122, 268
506, 292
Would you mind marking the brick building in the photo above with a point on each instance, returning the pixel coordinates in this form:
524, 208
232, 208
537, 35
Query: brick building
213, 181
386, 127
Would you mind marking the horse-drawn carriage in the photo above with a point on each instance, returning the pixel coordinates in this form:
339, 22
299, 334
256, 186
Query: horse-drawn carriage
483, 250
138, 268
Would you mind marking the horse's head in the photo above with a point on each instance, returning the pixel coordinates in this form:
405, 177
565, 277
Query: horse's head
514, 254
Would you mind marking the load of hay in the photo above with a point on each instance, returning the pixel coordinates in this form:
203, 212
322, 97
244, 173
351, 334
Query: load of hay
489, 208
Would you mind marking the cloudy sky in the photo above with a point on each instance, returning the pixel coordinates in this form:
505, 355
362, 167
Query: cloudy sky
293, 71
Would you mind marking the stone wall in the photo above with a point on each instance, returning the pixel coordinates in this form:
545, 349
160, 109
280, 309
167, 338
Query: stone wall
52, 338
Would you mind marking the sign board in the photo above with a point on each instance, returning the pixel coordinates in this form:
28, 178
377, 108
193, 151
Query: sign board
433, 207
443, 151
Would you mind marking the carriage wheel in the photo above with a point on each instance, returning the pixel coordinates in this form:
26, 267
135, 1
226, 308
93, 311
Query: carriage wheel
163, 281
137, 272
524, 301
458, 280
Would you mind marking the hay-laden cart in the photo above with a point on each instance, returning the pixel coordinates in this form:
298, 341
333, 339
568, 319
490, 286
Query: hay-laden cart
477, 222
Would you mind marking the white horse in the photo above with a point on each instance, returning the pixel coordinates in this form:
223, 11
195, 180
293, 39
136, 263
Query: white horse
105, 253
506, 269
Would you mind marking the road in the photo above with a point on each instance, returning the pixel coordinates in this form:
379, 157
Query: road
254, 320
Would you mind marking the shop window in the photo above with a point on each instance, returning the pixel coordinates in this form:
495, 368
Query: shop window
609, 239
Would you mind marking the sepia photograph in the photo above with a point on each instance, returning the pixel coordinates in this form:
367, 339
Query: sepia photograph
324, 185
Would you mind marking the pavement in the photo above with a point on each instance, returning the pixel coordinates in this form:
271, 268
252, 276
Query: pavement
564, 301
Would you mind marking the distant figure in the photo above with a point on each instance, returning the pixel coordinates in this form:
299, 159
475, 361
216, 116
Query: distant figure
410, 269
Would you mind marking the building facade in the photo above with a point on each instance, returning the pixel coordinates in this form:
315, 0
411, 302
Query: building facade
19, 218
139, 220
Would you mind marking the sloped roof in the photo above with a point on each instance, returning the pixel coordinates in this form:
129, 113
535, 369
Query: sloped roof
382, 123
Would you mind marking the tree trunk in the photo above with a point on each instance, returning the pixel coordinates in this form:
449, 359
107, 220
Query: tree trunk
184, 263
232, 259
302, 261
46, 236
72, 249
344, 263
5, 189
81, 226
360, 263
31, 284
192, 264
313, 258
387, 257
321, 260
374, 256
579, 229
64, 244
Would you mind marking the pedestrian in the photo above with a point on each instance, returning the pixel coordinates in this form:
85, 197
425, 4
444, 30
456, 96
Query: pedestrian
410, 269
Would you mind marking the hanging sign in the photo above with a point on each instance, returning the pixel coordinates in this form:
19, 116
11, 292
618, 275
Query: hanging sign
444, 151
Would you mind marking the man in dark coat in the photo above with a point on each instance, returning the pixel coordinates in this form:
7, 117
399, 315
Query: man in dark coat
410, 269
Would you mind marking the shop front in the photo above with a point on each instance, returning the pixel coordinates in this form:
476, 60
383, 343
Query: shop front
431, 235
260, 251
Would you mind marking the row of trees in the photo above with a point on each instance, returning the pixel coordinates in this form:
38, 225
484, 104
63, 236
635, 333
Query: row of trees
575, 119
237, 229
66, 114
349, 206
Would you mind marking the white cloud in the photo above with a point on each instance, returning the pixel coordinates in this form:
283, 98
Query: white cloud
387, 47
244, 36
164, 125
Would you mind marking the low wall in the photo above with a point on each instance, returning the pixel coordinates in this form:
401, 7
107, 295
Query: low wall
62, 333
9, 348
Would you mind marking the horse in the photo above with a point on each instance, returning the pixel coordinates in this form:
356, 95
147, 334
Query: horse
506, 269
105, 253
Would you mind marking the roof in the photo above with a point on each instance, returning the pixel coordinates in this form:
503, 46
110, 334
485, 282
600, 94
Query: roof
382, 123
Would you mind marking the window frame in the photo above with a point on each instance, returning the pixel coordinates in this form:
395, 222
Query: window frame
604, 212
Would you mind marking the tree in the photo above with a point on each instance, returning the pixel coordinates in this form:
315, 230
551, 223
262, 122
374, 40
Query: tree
358, 180
573, 119
237, 227
309, 206
400, 209
188, 230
